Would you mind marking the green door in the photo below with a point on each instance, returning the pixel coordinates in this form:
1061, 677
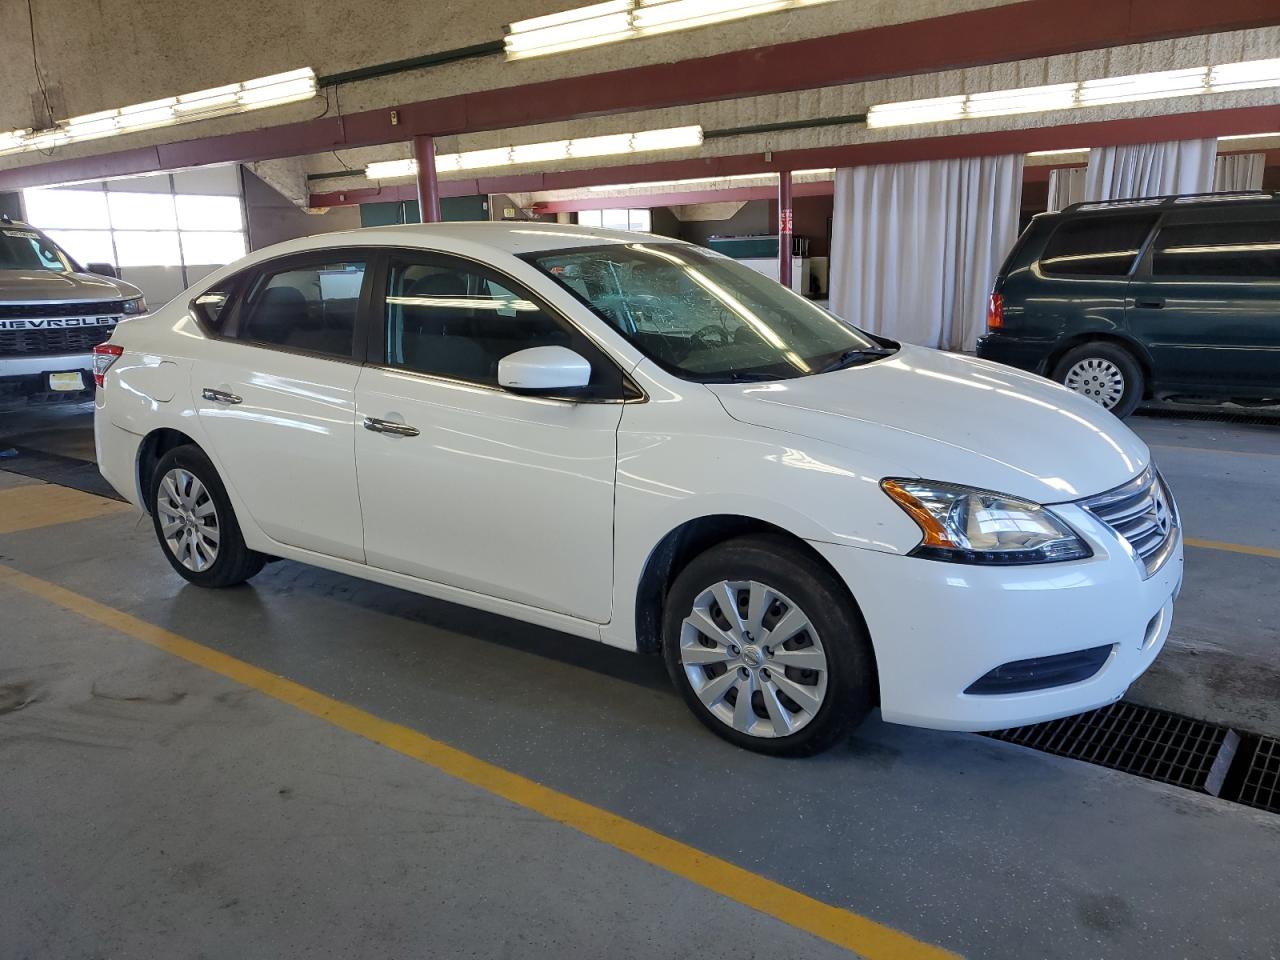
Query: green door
1206, 301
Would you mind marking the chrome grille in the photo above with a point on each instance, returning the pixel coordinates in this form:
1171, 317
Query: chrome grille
1143, 515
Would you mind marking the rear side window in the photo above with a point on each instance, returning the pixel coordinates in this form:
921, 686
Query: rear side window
1249, 248
1100, 246
311, 308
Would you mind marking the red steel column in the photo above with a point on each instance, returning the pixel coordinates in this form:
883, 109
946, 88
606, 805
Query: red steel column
784, 228
424, 151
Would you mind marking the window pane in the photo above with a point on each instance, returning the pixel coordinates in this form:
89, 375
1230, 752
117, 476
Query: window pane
615, 219
209, 213
212, 248
641, 220
457, 324
86, 246
148, 248
1246, 249
589, 218
1096, 246
311, 308
141, 211
82, 209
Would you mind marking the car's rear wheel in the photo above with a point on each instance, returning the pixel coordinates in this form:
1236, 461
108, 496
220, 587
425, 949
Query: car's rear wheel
195, 523
767, 648
1104, 372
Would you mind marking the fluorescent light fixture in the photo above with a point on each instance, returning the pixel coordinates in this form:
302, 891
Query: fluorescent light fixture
1158, 85
1066, 152
643, 141
616, 20
215, 102
1250, 136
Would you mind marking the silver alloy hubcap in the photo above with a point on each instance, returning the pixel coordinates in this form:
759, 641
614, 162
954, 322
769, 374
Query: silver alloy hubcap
1098, 379
754, 659
188, 520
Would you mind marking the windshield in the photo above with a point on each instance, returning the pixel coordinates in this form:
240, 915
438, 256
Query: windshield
24, 249
703, 316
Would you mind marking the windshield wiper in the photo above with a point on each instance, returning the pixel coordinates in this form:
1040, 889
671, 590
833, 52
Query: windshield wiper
735, 376
858, 354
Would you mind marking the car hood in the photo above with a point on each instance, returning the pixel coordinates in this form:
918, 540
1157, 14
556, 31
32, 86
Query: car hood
949, 417
38, 286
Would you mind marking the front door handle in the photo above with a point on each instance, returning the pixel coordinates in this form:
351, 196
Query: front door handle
390, 427
1150, 303
220, 396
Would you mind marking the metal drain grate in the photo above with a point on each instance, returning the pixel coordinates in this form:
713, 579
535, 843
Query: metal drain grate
1139, 740
1261, 783
1241, 416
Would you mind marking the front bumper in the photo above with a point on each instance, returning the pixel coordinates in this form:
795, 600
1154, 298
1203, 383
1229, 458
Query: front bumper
33, 368
938, 627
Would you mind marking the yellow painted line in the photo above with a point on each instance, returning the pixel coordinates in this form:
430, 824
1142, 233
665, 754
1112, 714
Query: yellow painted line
1232, 547
45, 504
864, 936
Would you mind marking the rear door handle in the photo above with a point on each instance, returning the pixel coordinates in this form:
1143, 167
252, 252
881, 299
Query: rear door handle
390, 427
1151, 303
220, 396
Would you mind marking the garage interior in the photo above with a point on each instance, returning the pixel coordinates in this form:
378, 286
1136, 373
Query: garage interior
314, 765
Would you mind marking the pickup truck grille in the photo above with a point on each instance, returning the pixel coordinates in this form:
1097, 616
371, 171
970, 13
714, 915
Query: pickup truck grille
51, 342
1143, 515
84, 308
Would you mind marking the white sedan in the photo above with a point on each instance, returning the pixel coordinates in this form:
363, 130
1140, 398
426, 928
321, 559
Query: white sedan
639, 441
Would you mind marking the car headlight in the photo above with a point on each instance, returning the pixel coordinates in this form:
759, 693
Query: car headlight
135, 306
965, 525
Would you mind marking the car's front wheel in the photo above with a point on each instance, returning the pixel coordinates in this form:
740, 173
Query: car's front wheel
195, 523
767, 647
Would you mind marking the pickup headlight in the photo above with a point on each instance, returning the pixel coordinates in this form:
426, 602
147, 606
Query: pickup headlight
966, 525
135, 306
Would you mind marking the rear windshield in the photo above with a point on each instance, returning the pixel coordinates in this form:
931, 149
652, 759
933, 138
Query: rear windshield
1097, 246
25, 249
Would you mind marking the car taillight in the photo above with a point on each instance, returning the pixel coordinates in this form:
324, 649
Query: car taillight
104, 355
995, 311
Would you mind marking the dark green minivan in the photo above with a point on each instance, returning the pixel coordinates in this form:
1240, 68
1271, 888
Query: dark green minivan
1160, 297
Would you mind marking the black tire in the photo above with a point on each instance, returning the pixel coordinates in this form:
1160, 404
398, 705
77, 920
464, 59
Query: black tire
234, 562
1117, 356
850, 662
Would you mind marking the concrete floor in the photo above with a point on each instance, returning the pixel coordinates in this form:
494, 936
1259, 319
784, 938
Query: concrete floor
151, 808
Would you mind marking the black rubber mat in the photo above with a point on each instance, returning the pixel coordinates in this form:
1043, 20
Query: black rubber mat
52, 468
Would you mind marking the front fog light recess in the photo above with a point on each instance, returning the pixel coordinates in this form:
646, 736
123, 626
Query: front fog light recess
966, 525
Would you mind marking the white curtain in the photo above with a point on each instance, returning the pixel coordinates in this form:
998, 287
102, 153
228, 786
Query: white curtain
1066, 186
916, 246
1239, 171
1150, 169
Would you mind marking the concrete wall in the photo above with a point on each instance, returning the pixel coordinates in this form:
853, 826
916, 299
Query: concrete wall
273, 218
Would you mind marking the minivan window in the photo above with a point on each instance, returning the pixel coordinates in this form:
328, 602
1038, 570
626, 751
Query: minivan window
310, 308
22, 249
1098, 246
1246, 248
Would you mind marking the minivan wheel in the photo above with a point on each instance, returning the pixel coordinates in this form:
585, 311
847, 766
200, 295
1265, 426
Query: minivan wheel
767, 648
1105, 373
195, 524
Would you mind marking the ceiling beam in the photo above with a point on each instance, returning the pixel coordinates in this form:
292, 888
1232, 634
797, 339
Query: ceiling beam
1017, 31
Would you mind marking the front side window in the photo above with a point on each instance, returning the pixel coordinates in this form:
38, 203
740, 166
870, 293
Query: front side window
1097, 246
310, 308
1248, 248
23, 249
703, 316
450, 320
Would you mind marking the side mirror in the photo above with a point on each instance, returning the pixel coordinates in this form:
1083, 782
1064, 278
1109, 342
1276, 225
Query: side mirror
104, 270
544, 370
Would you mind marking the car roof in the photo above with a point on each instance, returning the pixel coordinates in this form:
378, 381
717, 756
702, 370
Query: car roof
516, 237
1223, 201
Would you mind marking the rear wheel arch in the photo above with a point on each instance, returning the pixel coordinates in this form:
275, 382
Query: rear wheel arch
154, 446
1132, 347
694, 537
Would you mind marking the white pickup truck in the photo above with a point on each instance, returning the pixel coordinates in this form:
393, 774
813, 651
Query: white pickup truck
53, 312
